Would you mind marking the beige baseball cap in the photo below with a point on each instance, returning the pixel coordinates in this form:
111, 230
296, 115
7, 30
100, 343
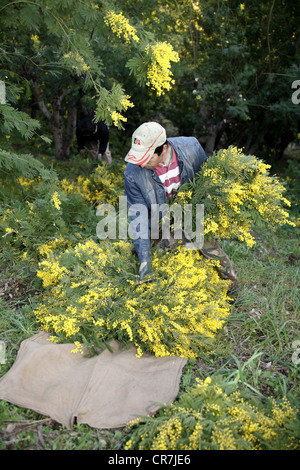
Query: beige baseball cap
145, 139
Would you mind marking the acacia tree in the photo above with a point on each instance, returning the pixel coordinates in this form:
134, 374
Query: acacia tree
56, 49
245, 60
238, 62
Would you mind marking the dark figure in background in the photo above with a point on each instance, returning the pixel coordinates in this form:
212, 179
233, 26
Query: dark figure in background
94, 137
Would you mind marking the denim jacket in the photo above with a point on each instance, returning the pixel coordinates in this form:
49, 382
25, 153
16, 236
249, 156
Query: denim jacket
143, 186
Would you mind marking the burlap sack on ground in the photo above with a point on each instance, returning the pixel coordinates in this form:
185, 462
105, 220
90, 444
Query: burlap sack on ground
105, 391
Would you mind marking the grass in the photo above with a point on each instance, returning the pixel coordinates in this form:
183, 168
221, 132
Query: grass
256, 348
267, 319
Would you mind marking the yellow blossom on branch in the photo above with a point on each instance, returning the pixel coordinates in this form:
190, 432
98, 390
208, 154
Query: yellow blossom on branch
78, 349
55, 200
35, 39
238, 193
175, 315
159, 72
214, 415
76, 61
117, 117
126, 103
120, 26
50, 272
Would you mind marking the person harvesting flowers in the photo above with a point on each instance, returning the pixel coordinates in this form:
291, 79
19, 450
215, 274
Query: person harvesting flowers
156, 168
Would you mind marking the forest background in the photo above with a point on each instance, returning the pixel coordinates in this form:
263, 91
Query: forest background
225, 72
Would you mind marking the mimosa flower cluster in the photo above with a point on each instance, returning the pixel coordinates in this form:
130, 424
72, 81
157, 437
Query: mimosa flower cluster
103, 185
238, 194
45, 214
76, 62
159, 73
214, 415
120, 26
92, 295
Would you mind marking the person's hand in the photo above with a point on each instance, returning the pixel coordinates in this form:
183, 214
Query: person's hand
145, 268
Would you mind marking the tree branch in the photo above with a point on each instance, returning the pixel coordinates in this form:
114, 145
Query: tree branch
40, 100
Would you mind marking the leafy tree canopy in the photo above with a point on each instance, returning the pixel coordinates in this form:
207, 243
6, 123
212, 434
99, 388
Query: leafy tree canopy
55, 51
221, 70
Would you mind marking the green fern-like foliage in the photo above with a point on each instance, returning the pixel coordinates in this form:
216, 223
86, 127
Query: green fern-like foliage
13, 119
12, 164
19, 164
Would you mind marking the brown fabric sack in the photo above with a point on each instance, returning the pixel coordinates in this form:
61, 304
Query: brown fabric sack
105, 391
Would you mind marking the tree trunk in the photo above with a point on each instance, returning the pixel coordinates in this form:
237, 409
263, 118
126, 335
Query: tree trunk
70, 128
62, 134
212, 130
210, 140
58, 141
